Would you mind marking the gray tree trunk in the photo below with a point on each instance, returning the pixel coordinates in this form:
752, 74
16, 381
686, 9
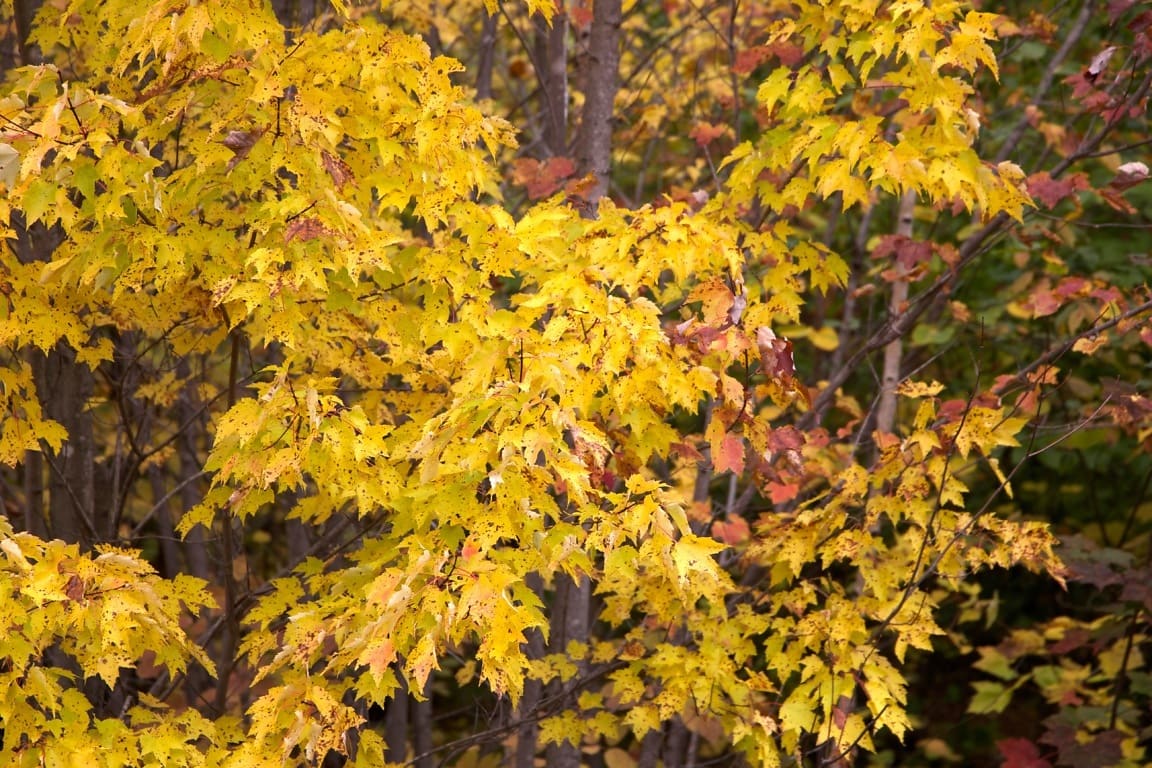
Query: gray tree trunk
594, 150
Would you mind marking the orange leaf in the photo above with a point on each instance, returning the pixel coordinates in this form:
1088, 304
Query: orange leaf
705, 133
729, 455
732, 530
781, 493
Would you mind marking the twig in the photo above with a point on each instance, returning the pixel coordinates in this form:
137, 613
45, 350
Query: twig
1070, 39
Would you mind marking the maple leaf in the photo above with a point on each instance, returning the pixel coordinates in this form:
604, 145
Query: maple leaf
729, 455
782, 493
1020, 753
580, 14
750, 58
542, 179
241, 144
705, 133
1129, 175
338, 170
1098, 63
909, 253
9, 165
731, 530
1043, 302
304, 229
1050, 192
1075, 748
775, 355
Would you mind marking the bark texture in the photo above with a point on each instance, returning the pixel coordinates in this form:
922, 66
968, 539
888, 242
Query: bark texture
594, 152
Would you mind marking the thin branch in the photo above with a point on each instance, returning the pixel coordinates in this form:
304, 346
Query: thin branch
81, 512
1059, 350
897, 327
163, 500
1118, 150
1071, 38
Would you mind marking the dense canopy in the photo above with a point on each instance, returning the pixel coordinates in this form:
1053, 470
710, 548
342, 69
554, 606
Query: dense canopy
621, 384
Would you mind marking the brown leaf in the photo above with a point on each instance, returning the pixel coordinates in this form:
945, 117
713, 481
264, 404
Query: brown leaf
1117, 201
775, 354
908, 253
75, 589
785, 438
304, 229
338, 169
1129, 175
241, 143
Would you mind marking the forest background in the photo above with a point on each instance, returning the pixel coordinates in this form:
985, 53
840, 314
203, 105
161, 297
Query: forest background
612, 384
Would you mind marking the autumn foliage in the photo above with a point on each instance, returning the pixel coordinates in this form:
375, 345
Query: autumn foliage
496, 384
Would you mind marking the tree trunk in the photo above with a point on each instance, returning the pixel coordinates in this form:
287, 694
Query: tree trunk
650, 747
422, 729
34, 521
894, 352
552, 70
675, 745
569, 622
396, 725
594, 151
189, 466
526, 734
487, 58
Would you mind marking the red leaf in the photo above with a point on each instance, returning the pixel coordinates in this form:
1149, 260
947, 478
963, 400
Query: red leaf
1043, 302
1117, 8
1107, 295
1100, 749
1071, 286
1021, 753
1116, 200
1049, 192
1073, 640
542, 179
908, 252
750, 58
789, 54
1129, 175
785, 438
